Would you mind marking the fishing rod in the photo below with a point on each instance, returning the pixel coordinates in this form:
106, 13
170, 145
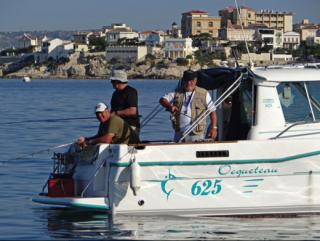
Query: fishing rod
47, 120
51, 148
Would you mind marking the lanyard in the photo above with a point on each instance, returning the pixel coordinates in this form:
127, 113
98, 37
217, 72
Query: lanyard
188, 102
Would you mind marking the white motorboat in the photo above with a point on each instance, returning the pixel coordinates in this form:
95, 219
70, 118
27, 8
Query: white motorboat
26, 78
266, 160
290, 66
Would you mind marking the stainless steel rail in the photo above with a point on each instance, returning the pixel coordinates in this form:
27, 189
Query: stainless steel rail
296, 124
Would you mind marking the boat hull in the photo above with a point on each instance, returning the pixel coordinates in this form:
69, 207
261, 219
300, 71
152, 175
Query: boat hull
219, 178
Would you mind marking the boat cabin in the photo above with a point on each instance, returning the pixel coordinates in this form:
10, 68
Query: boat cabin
267, 102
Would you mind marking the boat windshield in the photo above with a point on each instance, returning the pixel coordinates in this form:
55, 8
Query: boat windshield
293, 97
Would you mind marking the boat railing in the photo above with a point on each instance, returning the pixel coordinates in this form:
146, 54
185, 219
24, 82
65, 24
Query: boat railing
224, 96
154, 112
151, 115
293, 125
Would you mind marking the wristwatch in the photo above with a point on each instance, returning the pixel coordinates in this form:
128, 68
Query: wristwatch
214, 127
116, 113
88, 142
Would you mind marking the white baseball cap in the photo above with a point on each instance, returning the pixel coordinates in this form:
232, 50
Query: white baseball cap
100, 107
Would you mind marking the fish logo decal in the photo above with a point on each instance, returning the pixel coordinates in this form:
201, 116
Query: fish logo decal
170, 176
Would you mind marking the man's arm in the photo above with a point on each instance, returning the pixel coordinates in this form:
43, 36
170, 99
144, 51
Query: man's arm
126, 112
131, 102
107, 138
166, 104
96, 140
213, 130
82, 139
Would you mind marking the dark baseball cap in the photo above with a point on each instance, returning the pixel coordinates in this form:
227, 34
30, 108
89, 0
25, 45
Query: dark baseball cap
189, 74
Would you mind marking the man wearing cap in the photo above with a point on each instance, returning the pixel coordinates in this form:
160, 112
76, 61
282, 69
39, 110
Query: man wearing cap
112, 129
124, 101
187, 103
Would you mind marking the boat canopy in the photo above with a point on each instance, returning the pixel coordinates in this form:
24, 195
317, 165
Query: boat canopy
214, 78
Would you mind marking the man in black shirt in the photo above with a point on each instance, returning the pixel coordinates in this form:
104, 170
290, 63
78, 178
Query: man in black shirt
124, 101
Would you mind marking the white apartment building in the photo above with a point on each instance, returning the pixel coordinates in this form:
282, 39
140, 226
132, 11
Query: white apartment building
55, 48
82, 36
113, 35
178, 48
27, 40
234, 33
130, 53
115, 26
151, 37
313, 41
291, 40
274, 37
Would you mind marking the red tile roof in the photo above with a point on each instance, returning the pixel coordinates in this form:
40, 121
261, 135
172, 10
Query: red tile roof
34, 38
310, 27
117, 30
82, 32
149, 31
194, 11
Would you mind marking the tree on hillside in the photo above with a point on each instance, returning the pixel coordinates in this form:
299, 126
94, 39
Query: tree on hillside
128, 41
203, 58
242, 48
17, 51
100, 44
121, 41
197, 38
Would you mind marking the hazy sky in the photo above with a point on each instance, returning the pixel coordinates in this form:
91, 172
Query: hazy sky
26, 15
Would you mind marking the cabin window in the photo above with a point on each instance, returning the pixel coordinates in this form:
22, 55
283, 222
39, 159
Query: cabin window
294, 102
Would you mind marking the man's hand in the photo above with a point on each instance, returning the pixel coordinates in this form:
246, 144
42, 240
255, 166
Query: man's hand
81, 142
173, 109
212, 133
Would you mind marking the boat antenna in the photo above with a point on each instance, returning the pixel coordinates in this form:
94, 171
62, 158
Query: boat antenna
244, 36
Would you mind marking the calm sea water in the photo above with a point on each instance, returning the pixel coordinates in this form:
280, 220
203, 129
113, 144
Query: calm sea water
20, 179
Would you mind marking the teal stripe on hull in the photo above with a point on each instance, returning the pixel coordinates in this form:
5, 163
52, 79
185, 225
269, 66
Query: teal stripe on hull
82, 205
217, 162
72, 204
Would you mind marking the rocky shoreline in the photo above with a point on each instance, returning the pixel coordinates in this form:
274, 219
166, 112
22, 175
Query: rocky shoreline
97, 68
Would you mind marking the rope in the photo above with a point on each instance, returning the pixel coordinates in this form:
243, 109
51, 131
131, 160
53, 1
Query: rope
51, 148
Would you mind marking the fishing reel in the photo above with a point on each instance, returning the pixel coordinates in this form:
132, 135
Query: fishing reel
173, 119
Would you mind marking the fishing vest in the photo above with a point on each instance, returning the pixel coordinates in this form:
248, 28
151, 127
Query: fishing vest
198, 107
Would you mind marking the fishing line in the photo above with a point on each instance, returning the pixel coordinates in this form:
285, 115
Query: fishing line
51, 148
47, 120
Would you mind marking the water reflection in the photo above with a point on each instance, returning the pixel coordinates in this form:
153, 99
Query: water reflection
71, 223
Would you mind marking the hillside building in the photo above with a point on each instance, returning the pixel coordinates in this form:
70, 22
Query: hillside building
28, 40
178, 48
195, 22
272, 19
